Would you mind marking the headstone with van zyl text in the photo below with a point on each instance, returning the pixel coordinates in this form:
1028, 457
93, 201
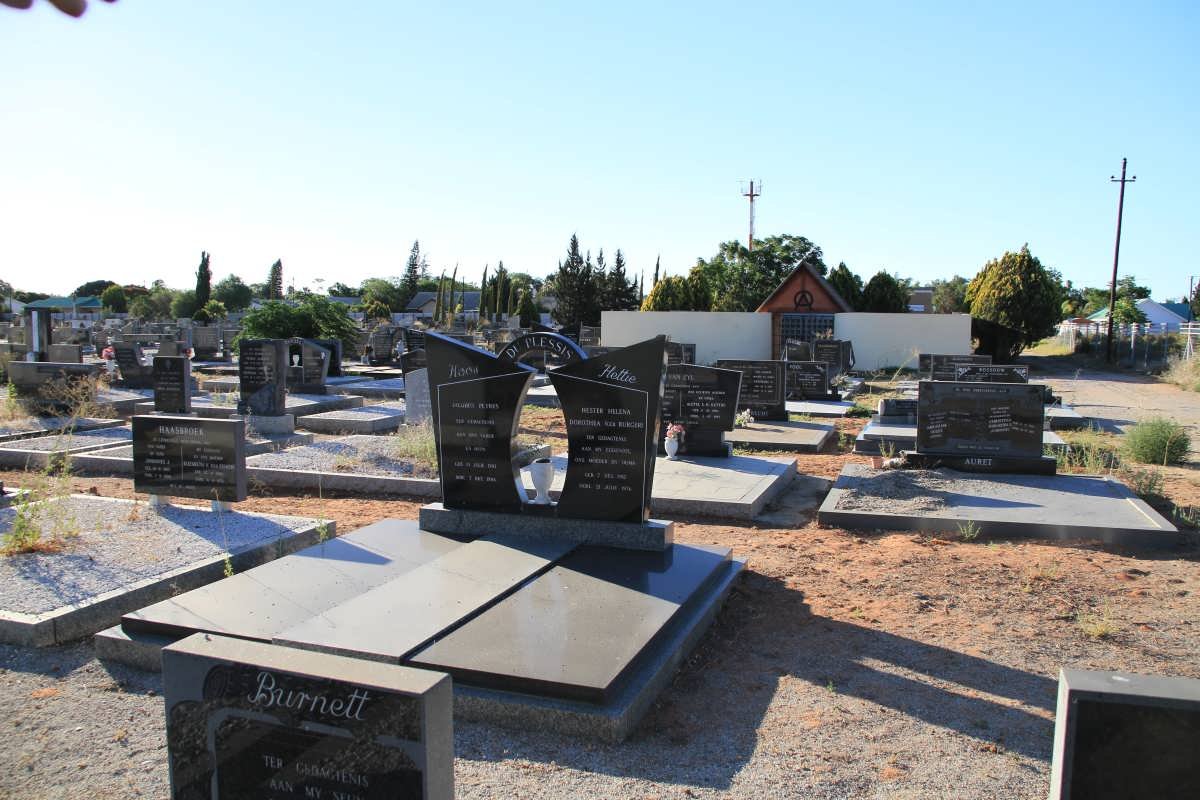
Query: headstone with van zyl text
172, 385
182, 456
764, 387
992, 373
704, 401
253, 720
262, 375
982, 427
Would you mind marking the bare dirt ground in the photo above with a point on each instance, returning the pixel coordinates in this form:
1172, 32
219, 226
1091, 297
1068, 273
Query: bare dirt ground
846, 665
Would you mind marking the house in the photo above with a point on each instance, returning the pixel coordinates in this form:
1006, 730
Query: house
1184, 310
1157, 314
802, 307
423, 303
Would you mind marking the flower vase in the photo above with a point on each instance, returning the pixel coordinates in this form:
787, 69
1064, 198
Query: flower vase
542, 472
672, 446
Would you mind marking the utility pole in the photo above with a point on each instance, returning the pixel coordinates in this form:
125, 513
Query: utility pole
752, 194
1112, 288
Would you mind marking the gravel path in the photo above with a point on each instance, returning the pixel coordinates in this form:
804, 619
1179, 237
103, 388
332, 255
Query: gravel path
119, 543
361, 454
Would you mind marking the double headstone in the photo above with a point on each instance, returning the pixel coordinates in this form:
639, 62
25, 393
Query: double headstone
185, 456
172, 377
334, 346
248, 719
704, 400
992, 373
981, 427
939, 367
809, 380
134, 372
309, 366
764, 387
262, 375
206, 341
681, 353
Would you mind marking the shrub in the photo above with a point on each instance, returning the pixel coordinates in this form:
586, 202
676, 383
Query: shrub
1184, 373
1157, 441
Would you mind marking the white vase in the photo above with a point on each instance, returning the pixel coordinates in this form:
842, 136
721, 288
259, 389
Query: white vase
672, 446
542, 472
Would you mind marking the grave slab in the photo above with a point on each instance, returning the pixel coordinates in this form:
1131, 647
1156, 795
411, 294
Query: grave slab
1036, 506
544, 396
654, 534
54, 598
220, 407
394, 619
904, 437
119, 460
1065, 418
32, 427
380, 389
35, 452
380, 418
820, 408
792, 437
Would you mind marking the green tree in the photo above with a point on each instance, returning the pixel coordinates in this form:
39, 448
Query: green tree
412, 272
113, 299
886, 293
183, 305
374, 309
657, 259
232, 293
1126, 312
90, 289
6, 289
213, 309
314, 316
483, 295
1073, 301
741, 279
340, 289
618, 292
203, 281
677, 293
384, 291
1016, 291
847, 284
274, 287
950, 297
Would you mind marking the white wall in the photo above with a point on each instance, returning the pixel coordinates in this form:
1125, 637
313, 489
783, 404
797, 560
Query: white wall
895, 340
716, 334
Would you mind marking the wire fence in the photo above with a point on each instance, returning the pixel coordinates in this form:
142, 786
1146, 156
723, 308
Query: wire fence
1146, 346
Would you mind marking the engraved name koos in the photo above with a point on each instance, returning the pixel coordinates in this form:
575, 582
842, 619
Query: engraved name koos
269, 695
462, 371
619, 375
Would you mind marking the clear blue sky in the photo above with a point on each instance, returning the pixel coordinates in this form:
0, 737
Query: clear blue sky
332, 134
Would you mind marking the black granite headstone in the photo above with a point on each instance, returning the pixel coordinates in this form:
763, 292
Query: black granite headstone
262, 372
414, 339
991, 373
612, 406
334, 362
809, 380
562, 349
476, 400
763, 387
986, 427
1119, 736
382, 342
898, 409
172, 385
704, 400
190, 457
308, 376
837, 353
795, 350
252, 720
206, 341
134, 372
412, 360
681, 353
939, 367
169, 348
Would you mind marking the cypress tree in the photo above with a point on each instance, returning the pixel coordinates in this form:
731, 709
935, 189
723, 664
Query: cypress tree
275, 281
412, 271
512, 300
449, 310
483, 295
203, 281
656, 260
440, 302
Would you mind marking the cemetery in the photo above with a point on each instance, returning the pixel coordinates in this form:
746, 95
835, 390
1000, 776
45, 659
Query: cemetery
573, 523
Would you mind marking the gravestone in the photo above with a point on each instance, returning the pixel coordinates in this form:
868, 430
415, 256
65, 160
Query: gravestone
901, 410
190, 457
763, 387
796, 350
475, 399
334, 346
704, 401
417, 408
172, 385
414, 339
308, 376
809, 380
938, 367
262, 370
169, 348
65, 353
589, 336
981, 427
52, 387
837, 353
681, 353
206, 341
253, 720
1119, 736
991, 373
134, 372
382, 342
411, 360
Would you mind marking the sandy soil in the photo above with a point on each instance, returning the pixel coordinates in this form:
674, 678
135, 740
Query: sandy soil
846, 665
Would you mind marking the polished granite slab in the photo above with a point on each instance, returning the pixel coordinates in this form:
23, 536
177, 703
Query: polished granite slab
262, 602
395, 618
579, 630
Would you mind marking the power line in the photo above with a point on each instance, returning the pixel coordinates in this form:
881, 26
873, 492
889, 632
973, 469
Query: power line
752, 194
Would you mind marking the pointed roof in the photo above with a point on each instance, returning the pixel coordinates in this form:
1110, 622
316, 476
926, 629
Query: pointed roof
805, 291
66, 303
